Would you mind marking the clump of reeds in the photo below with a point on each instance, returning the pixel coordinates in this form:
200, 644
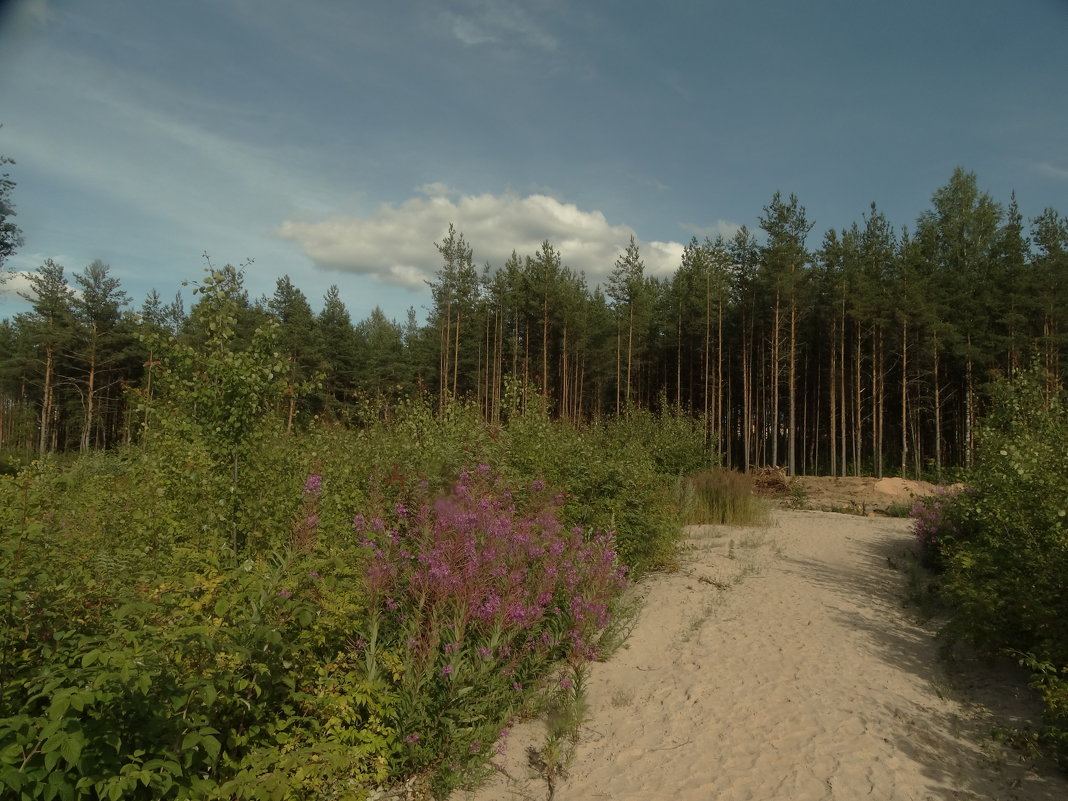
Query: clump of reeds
721, 497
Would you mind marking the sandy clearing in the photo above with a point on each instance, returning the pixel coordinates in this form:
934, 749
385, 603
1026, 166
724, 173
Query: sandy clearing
803, 679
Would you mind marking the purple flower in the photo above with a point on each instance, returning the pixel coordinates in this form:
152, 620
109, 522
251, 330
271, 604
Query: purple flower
447, 670
313, 485
284, 593
412, 738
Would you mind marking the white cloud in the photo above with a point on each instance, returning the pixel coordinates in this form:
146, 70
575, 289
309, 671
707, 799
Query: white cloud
395, 245
15, 283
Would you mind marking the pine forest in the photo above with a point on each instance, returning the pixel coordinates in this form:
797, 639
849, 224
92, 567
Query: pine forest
864, 350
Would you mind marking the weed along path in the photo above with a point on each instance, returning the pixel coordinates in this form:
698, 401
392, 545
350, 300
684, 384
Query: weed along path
778, 664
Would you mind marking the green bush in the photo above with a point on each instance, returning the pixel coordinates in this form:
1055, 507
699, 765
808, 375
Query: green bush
1006, 557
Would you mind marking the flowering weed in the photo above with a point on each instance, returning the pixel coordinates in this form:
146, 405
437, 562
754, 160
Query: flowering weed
474, 597
933, 522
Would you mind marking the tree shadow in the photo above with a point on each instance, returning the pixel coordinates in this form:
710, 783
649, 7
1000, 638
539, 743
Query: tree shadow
982, 696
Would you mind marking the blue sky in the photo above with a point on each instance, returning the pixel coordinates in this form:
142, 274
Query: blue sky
335, 140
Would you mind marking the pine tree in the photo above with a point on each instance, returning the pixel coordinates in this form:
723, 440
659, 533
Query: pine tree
51, 326
102, 342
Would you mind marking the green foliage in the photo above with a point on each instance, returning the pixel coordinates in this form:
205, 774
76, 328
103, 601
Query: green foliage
1007, 558
189, 679
611, 477
139, 659
215, 398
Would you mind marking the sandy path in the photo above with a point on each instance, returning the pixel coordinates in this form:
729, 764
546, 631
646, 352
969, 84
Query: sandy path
789, 671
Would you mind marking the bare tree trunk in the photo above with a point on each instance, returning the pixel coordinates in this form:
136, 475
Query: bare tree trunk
832, 406
708, 325
842, 396
791, 443
858, 411
456, 356
937, 411
90, 403
619, 385
774, 368
46, 400
446, 342
904, 396
630, 352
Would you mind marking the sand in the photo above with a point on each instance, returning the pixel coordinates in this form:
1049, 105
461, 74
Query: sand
779, 663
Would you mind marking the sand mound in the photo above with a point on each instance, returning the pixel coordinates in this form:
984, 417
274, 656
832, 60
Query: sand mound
903, 488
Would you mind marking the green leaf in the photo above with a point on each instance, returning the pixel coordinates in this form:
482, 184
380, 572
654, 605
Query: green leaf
212, 746
71, 749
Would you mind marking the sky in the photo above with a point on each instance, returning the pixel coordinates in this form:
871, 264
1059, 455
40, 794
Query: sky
334, 141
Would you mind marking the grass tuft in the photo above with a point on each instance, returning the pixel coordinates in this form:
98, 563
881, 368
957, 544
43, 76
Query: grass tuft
721, 497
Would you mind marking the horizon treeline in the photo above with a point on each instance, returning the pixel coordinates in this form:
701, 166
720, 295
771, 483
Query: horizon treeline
866, 351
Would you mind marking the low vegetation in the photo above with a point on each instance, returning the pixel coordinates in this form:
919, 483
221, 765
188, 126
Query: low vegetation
230, 608
1001, 545
721, 497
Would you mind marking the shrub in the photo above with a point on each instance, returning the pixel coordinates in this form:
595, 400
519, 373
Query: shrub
191, 675
1006, 561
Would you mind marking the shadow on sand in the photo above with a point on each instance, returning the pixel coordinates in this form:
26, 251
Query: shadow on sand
944, 738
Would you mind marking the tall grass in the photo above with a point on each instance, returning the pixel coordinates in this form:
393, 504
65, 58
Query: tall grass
721, 497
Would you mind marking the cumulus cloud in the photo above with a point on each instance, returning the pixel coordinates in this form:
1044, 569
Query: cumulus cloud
395, 245
16, 291
15, 283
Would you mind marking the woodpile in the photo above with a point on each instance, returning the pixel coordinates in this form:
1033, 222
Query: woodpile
771, 481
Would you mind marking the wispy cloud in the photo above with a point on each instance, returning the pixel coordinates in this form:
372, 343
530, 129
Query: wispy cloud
152, 147
1052, 170
494, 22
395, 245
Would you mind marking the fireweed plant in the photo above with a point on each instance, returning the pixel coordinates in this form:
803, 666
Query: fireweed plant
933, 522
475, 598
